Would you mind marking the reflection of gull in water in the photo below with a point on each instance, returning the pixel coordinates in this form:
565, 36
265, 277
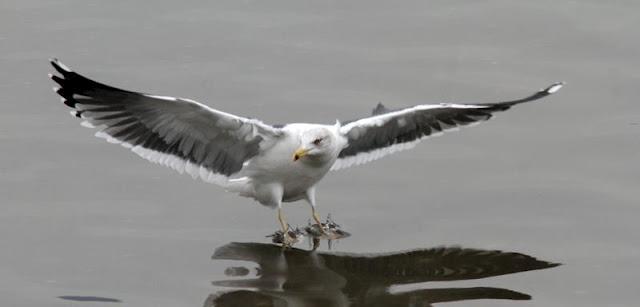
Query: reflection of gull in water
296, 277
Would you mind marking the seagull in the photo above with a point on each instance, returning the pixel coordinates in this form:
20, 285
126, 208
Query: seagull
272, 164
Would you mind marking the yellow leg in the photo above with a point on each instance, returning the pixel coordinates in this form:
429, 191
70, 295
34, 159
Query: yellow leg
316, 217
283, 222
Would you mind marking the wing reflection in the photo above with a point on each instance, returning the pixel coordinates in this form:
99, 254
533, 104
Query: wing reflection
296, 277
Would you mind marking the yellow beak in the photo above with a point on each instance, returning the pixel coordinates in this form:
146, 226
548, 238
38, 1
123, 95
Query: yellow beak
301, 152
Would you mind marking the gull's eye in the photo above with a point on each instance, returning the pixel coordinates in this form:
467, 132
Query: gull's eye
317, 141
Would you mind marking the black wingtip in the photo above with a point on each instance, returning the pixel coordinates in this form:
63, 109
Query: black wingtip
60, 67
537, 95
553, 87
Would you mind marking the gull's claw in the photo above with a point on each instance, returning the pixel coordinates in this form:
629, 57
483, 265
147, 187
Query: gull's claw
319, 224
287, 238
328, 230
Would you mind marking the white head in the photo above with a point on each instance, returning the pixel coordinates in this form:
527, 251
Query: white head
316, 144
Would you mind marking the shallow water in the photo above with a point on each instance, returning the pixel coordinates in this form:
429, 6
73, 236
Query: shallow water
81, 220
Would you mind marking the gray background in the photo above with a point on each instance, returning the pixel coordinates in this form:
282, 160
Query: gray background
557, 179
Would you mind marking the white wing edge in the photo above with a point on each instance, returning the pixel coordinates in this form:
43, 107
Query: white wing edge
171, 161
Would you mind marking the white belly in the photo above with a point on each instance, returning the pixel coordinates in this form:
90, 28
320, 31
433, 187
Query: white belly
276, 167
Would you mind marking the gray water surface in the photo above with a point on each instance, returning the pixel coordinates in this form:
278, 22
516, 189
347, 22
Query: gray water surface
83, 222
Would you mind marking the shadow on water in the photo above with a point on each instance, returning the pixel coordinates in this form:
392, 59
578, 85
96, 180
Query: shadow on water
296, 277
89, 299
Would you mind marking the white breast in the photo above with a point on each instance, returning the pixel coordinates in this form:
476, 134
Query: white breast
276, 165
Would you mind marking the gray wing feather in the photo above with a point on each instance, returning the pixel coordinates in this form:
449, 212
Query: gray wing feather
176, 131
390, 131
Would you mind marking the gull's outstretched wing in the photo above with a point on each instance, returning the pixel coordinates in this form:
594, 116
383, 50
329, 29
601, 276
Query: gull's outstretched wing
389, 131
176, 132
